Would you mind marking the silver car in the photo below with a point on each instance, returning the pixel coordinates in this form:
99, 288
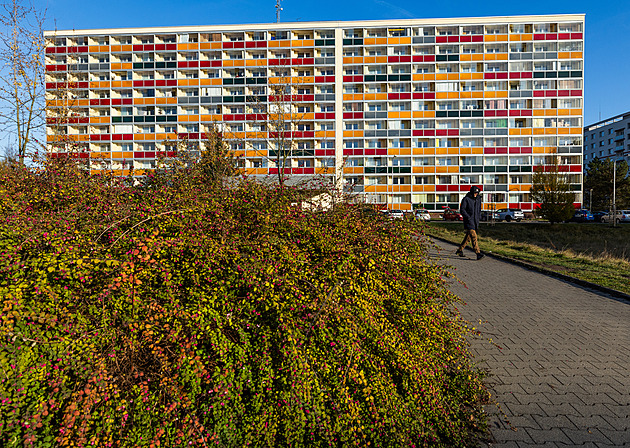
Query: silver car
422, 214
509, 214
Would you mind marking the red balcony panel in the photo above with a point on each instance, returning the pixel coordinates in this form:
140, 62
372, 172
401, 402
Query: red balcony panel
417, 133
393, 59
309, 170
84, 155
441, 188
405, 59
381, 151
539, 93
82, 120
429, 96
452, 188
138, 83
576, 35
171, 82
261, 44
160, 83
148, 47
171, 46
50, 50
465, 39
347, 79
489, 113
502, 76
138, 154
106, 137
526, 113
319, 79
551, 92
83, 85
273, 170
193, 64
515, 75
61, 50
358, 115
330, 79
160, 47
95, 138
117, 136
453, 132
127, 101
526, 75
502, 113
261, 117
72, 49
297, 170
489, 76
51, 68
564, 36
320, 115
137, 48
441, 39
429, 132
347, 152
370, 152
489, 150
149, 154
439, 132
228, 45
539, 37
182, 64
239, 44
347, 115
501, 150
309, 134
82, 49
228, 117
320, 152
330, 152
477, 38
297, 134
526, 150
429, 58
204, 64
51, 85
551, 36
308, 61
294, 61
405, 96
393, 96
418, 96
330, 116
103, 102
357, 78
127, 137
515, 113
514, 150
216, 63
93, 102
453, 38
576, 93
250, 44
575, 168
116, 102
418, 58
239, 117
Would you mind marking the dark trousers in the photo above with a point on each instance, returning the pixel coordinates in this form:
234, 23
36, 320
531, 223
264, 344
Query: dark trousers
471, 235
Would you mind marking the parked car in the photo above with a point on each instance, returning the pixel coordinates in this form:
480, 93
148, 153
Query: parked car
599, 216
625, 216
509, 214
422, 214
582, 215
396, 214
486, 215
608, 218
451, 215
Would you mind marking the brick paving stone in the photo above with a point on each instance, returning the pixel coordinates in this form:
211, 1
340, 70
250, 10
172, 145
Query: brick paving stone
558, 355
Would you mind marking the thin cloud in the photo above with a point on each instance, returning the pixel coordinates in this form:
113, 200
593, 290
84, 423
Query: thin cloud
398, 9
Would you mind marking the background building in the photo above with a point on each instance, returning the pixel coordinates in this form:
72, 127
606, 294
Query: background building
410, 112
608, 138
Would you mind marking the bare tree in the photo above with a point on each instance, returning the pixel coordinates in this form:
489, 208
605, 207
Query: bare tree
22, 74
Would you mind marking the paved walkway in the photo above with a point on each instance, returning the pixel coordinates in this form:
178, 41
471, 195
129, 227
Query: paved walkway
559, 363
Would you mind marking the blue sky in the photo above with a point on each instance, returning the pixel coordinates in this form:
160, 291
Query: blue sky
607, 52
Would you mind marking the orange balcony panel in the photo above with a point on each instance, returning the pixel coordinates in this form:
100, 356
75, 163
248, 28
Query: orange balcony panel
93, 84
381, 41
116, 84
416, 169
160, 137
502, 94
452, 151
563, 111
116, 48
272, 43
465, 95
490, 38
116, 66
296, 43
127, 83
405, 114
308, 43
93, 48
404, 151
369, 41
357, 60
127, 66
465, 57
477, 150
577, 55
380, 188
576, 111
564, 55
526, 131
538, 131
417, 114
381, 59
515, 37
477, 75
127, 48
429, 77
429, 169
227, 63
405, 40
441, 151
550, 131
515, 132
429, 114
452, 95
490, 57
393, 151
358, 134
576, 131
205, 45
128, 155
564, 131
502, 57
117, 155
393, 40
347, 133
441, 169
527, 37
416, 77
502, 38
285, 43
477, 57
465, 150
465, 76
538, 112
393, 115
160, 101
477, 94
440, 76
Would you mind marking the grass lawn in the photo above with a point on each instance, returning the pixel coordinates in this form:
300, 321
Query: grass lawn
597, 253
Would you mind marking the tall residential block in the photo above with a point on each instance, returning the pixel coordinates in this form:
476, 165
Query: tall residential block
609, 138
403, 112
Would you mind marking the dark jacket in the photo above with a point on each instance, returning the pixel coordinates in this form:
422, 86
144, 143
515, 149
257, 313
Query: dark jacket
470, 209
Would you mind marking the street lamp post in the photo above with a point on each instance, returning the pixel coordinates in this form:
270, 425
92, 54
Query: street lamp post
614, 205
590, 200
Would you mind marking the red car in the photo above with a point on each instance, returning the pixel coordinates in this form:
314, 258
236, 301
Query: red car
451, 215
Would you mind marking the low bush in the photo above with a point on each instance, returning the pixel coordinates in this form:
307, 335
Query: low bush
207, 316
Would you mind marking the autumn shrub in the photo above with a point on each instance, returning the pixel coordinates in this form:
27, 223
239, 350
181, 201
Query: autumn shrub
189, 314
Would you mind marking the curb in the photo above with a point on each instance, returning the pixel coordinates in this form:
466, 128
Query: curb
532, 267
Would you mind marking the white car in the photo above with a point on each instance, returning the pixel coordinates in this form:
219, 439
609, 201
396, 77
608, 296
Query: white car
396, 214
625, 216
422, 214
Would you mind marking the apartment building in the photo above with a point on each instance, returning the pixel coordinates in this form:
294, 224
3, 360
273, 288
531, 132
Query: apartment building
608, 138
403, 113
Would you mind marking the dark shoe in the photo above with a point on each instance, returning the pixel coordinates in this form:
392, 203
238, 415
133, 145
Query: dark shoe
480, 256
460, 253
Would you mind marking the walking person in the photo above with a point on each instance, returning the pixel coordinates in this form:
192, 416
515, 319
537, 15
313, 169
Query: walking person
470, 208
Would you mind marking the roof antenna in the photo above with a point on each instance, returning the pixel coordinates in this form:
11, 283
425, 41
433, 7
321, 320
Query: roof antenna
278, 9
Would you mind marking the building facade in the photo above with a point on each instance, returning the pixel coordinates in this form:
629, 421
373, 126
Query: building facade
404, 113
608, 138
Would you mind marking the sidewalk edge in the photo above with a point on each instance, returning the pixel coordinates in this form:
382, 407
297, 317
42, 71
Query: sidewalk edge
532, 267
